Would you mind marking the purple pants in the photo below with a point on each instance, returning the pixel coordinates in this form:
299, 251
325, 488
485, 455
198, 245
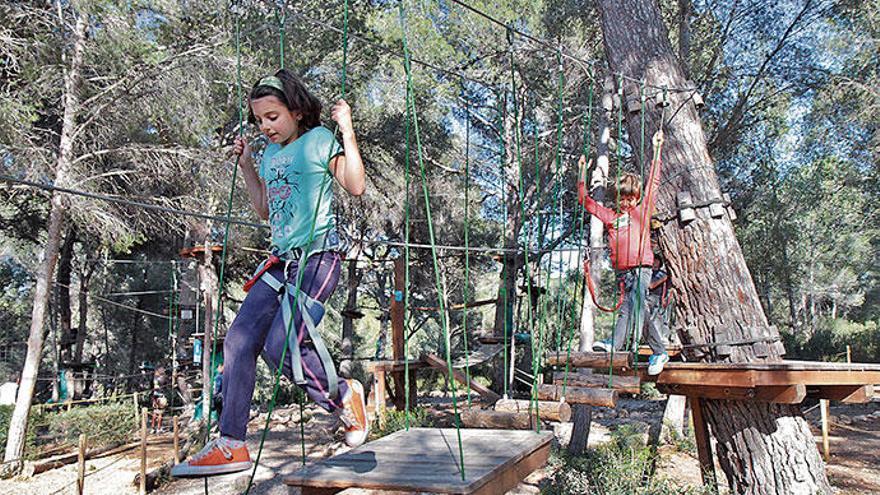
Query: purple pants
259, 329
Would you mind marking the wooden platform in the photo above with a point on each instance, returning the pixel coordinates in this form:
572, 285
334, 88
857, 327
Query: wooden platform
787, 382
427, 460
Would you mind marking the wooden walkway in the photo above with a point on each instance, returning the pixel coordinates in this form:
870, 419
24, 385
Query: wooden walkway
427, 460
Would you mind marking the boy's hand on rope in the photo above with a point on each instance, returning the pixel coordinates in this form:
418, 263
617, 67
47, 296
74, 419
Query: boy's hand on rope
242, 149
341, 114
583, 166
657, 140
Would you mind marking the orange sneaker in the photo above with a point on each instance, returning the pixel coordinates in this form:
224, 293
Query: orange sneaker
354, 414
218, 457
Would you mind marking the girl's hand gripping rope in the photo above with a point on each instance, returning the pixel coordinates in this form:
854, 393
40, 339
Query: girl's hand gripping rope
341, 114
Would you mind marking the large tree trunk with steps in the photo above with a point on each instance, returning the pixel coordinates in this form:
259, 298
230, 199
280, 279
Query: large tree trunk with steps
762, 448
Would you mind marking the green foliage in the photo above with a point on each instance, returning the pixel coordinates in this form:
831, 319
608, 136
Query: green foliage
829, 341
102, 424
686, 443
621, 467
396, 420
648, 391
34, 423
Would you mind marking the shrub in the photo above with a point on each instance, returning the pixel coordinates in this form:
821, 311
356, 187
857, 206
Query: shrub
102, 424
621, 467
830, 339
396, 420
34, 422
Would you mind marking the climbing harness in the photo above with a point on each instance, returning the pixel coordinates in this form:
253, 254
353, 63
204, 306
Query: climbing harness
311, 310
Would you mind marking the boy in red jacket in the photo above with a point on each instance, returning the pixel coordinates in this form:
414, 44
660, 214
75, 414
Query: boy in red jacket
628, 227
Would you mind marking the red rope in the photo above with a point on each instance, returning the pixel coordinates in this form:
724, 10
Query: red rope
593, 289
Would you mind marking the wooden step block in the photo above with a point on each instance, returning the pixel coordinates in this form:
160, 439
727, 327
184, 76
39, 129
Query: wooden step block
603, 397
596, 360
486, 418
547, 410
623, 384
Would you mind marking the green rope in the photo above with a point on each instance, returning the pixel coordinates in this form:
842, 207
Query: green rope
208, 387
281, 19
300, 275
437, 278
504, 313
406, 256
467, 254
617, 209
588, 123
526, 226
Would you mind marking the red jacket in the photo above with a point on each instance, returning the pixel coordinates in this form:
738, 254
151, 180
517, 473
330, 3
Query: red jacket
629, 235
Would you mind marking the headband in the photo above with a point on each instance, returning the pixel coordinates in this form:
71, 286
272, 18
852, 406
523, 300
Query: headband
272, 82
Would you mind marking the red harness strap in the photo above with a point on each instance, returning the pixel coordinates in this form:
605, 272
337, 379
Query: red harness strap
272, 260
593, 289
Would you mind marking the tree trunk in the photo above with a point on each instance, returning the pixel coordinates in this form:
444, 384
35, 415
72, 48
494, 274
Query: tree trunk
85, 277
18, 423
685, 9
65, 313
763, 448
598, 180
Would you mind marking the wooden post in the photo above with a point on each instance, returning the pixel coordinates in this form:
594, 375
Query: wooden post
176, 441
142, 490
81, 469
704, 447
826, 450
397, 334
379, 395
848, 354
134, 404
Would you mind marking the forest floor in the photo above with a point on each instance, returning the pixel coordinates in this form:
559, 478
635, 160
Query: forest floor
854, 467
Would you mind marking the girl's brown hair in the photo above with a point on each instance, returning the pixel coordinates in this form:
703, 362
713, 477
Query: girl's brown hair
295, 96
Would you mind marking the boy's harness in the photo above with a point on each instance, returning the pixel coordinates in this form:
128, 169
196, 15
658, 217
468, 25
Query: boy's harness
311, 310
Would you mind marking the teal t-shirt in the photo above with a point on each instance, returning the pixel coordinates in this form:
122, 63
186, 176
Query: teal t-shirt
295, 176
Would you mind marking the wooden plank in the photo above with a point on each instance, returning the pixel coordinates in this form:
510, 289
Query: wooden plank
480, 418
778, 366
604, 397
601, 360
850, 394
704, 447
785, 394
510, 477
430, 464
673, 350
741, 376
436, 362
547, 410
624, 384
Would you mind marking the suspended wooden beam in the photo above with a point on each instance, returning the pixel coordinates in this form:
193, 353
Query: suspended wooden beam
505, 420
623, 384
604, 397
547, 410
596, 360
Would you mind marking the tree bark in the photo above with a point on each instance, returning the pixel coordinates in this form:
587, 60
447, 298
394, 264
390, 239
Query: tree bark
85, 276
15, 442
65, 312
763, 448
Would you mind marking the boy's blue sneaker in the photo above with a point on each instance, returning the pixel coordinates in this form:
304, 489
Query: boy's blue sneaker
656, 362
602, 346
